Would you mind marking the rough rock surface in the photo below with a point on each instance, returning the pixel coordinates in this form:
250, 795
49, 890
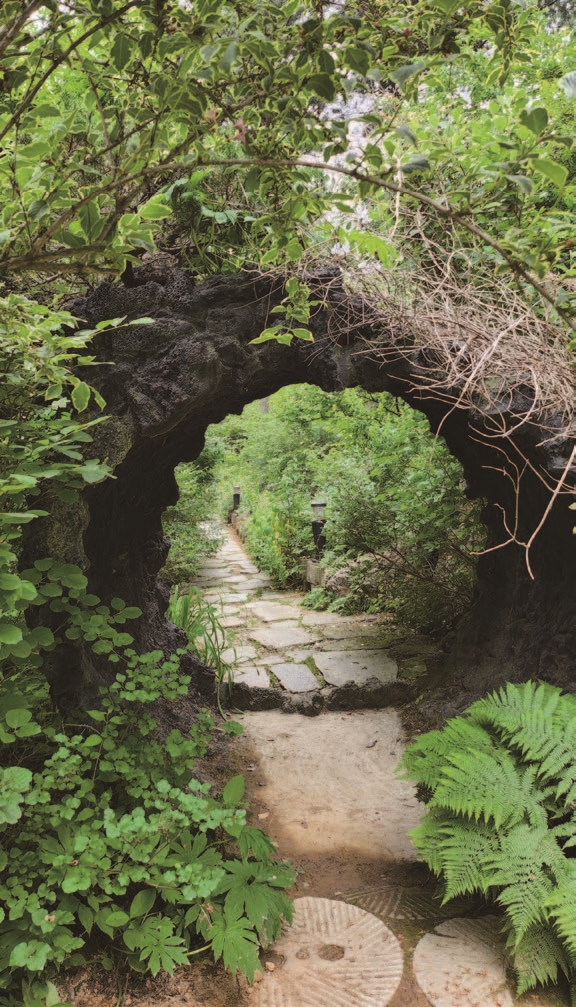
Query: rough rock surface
166, 382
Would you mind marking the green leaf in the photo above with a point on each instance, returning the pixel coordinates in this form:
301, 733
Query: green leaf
322, 85
142, 902
233, 791
522, 182
120, 51
117, 919
557, 173
229, 58
10, 634
17, 718
155, 209
236, 942
31, 955
536, 120
80, 396
403, 73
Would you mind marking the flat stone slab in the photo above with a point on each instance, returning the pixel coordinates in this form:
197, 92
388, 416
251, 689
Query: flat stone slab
236, 655
254, 678
228, 598
230, 621
339, 631
462, 964
276, 637
339, 667
296, 677
321, 619
353, 643
333, 955
342, 768
271, 611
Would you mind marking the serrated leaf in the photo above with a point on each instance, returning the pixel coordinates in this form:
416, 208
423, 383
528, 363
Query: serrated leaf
236, 942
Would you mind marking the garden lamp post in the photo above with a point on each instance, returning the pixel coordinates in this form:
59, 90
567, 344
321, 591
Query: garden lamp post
318, 522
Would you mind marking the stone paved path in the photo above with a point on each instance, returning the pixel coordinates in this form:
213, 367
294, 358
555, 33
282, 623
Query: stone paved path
282, 655
329, 792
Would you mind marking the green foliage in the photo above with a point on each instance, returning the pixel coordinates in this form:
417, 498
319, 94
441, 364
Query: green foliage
107, 837
199, 619
106, 831
499, 784
187, 524
396, 509
120, 121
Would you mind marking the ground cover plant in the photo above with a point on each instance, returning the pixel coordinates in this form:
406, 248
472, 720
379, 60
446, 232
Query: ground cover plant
109, 845
499, 784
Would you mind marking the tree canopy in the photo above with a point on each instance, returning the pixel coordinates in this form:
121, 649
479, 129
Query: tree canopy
115, 117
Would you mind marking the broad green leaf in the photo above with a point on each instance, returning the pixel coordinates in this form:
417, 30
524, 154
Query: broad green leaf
120, 51
522, 182
557, 173
230, 56
322, 85
403, 73
17, 718
10, 634
536, 120
31, 955
155, 209
80, 396
142, 902
233, 791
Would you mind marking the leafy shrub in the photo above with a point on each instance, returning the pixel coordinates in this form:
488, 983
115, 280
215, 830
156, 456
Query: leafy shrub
395, 499
109, 837
500, 787
186, 524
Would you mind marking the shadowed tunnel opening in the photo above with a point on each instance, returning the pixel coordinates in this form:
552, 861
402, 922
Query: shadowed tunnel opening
170, 380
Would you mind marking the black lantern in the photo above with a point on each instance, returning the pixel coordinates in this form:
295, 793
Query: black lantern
318, 522
236, 498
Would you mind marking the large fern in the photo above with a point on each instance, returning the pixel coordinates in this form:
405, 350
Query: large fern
500, 785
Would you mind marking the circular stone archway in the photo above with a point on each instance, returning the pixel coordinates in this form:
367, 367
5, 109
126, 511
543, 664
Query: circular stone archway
166, 382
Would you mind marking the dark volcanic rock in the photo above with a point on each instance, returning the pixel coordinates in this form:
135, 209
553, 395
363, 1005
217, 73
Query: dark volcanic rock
166, 382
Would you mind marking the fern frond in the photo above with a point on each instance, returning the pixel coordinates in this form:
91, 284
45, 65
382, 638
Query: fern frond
459, 853
561, 906
426, 757
428, 837
489, 786
537, 957
525, 865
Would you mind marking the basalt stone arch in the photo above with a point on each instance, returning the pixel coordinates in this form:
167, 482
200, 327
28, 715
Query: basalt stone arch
166, 382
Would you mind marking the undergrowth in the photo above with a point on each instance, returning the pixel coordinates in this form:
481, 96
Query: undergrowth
112, 848
500, 787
